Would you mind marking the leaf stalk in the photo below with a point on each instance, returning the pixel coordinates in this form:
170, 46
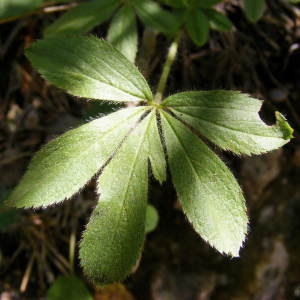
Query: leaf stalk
167, 68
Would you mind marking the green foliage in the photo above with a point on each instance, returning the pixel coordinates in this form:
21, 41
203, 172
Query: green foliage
155, 17
254, 9
209, 194
197, 17
87, 67
122, 32
117, 148
175, 3
156, 152
116, 231
152, 218
217, 20
60, 1
83, 17
14, 8
68, 287
230, 120
86, 16
197, 27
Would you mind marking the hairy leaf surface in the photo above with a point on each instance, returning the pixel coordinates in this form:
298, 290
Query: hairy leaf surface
156, 152
66, 164
230, 120
89, 67
155, 17
122, 32
83, 17
113, 240
208, 192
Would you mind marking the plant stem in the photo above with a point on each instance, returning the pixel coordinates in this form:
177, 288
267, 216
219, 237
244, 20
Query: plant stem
167, 68
72, 245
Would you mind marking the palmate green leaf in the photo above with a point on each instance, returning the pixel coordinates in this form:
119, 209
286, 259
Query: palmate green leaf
254, 9
113, 240
122, 32
83, 17
118, 147
15, 8
68, 287
88, 67
197, 26
218, 21
230, 119
155, 17
66, 164
208, 192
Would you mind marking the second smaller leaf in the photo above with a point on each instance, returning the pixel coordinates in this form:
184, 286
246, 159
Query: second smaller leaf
112, 242
82, 18
254, 9
197, 26
66, 164
122, 32
68, 287
218, 21
155, 17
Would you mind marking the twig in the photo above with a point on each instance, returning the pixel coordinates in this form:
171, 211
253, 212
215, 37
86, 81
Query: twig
57, 8
27, 274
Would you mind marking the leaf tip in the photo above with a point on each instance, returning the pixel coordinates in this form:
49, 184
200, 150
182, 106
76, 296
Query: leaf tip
284, 127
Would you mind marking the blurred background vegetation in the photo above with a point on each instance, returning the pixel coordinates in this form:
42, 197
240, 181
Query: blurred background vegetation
252, 46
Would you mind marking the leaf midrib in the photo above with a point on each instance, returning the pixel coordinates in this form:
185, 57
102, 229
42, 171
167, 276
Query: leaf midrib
190, 163
228, 128
210, 107
117, 124
108, 82
128, 181
104, 83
